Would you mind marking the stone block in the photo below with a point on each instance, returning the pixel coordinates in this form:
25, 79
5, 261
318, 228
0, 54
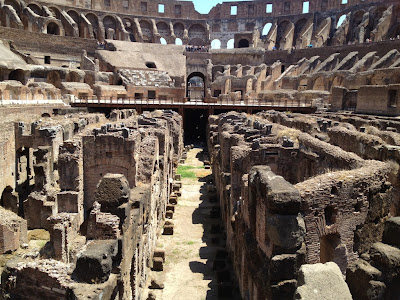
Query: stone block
322, 281
159, 253
169, 214
168, 230
112, 191
359, 277
158, 264
286, 232
171, 207
385, 254
95, 263
173, 200
279, 195
283, 267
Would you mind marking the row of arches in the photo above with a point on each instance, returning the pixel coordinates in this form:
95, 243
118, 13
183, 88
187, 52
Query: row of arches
89, 25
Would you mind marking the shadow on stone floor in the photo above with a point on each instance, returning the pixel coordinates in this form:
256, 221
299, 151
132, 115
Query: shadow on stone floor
218, 267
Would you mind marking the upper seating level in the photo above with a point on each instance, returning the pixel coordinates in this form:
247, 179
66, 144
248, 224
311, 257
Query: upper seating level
282, 25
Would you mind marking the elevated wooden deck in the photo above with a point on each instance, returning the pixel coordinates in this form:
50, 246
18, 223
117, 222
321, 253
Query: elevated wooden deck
245, 105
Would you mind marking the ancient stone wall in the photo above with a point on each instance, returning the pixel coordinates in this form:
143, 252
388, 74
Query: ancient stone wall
331, 213
104, 205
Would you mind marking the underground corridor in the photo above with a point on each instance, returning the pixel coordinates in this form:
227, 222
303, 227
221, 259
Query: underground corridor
196, 260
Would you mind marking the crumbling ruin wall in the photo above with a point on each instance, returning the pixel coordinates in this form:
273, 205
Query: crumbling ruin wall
107, 250
334, 211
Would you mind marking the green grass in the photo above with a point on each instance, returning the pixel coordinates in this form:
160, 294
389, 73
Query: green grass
186, 171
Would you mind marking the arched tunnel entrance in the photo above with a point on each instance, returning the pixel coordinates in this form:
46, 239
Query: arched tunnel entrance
196, 86
195, 124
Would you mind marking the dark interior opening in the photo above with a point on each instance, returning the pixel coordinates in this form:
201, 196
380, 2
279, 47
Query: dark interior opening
17, 75
195, 124
330, 215
52, 28
151, 65
392, 98
243, 43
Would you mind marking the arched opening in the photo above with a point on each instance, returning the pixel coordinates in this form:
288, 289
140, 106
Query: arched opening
280, 32
73, 77
163, 41
197, 34
14, 5
331, 249
146, 31
17, 75
230, 44
243, 43
216, 44
95, 23
55, 12
196, 86
74, 15
179, 30
394, 32
90, 79
356, 20
266, 29
178, 41
53, 28
128, 27
54, 78
298, 28
377, 13
340, 21
163, 30
35, 8
319, 84
109, 23
337, 81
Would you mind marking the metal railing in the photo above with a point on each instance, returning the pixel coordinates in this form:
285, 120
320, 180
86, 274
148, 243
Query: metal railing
199, 102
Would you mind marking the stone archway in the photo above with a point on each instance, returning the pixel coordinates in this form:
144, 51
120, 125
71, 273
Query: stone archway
196, 86
54, 78
18, 75
53, 28
243, 43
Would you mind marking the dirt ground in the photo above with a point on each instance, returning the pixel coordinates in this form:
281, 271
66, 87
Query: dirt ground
188, 271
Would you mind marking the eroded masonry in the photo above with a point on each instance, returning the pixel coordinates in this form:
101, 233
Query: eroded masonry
292, 108
300, 190
101, 189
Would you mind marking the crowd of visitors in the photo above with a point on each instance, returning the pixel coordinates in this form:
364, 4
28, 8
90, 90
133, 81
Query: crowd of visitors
197, 49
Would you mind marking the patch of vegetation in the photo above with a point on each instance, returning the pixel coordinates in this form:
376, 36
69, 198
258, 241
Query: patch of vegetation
189, 242
188, 171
